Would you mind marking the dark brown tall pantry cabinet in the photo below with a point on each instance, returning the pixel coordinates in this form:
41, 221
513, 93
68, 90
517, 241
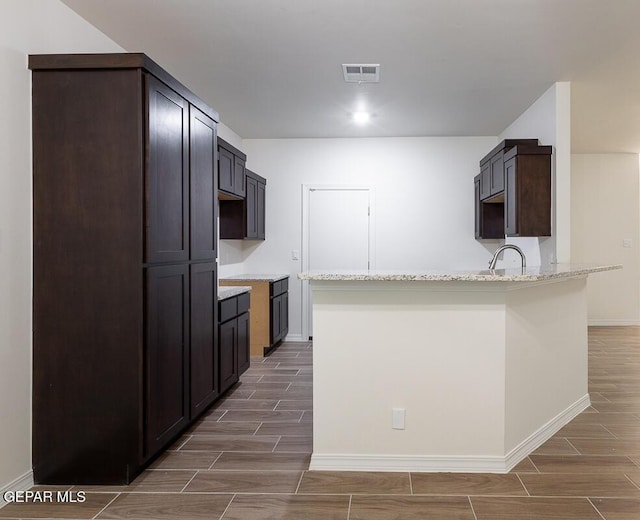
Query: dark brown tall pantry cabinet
125, 278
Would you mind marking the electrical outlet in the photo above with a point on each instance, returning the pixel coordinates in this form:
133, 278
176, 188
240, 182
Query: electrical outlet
626, 242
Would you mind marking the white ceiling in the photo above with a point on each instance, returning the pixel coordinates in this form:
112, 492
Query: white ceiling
272, 68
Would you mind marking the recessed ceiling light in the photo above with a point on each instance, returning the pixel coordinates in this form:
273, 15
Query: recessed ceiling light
361, 118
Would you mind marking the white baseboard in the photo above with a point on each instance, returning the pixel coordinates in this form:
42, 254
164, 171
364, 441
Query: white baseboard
424, 463
20, 484
453, 464
295, 338
614, 323
545, 432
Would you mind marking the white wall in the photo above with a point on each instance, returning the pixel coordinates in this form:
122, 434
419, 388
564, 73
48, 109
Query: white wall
605, 210
26, 26
424, 200
229, 136
549, 120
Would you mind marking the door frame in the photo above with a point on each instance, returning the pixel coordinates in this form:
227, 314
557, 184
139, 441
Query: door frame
306, 192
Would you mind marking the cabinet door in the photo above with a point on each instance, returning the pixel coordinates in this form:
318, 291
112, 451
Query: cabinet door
251, 208
260, 210
284, 315
226, 177
167, 350
510, 199
239, 177
485, 180
228, 354
204, 194
497, 173
204, 350
477, 212
276, 324
243, 343
167, 176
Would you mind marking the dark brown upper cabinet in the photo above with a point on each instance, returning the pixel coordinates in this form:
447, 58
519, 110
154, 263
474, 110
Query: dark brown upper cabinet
168, 174
484, 180
255, 206
489, 216
527, 199
512, 193
245, 218
240, 187
492, 167
124, 284
202, 153
231, 171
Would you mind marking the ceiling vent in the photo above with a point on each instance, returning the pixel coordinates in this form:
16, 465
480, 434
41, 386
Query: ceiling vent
361, 73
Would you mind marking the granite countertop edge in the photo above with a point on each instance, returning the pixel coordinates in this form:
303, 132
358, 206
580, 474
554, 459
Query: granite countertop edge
254, 278
531, 274
232, 290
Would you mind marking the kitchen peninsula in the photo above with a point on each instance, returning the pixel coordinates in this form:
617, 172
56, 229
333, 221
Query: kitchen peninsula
476, 369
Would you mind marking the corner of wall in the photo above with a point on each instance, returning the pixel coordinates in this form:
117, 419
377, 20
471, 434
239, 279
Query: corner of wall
549, 119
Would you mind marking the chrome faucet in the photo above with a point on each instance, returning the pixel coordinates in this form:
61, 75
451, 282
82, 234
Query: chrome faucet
494, 260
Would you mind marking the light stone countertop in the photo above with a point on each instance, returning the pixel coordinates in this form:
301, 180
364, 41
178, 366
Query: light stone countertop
530, 274
232, 290
255, 278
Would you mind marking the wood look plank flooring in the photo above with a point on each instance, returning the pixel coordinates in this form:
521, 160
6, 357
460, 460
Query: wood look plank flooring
247, 458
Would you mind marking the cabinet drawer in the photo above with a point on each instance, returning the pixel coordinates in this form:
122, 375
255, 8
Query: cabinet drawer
244, 301
279, 287
228, 309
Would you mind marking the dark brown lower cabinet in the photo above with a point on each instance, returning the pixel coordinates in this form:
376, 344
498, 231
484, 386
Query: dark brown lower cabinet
228, 354
167, 354
205, 386
279, 311
244, 359
234, 339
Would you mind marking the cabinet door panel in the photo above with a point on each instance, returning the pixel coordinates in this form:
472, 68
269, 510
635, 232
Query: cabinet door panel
239, 175
260, 210
243, 343
226, 176
485, 180
510, 203
167, 369
477, 212
228, 354
204, 196
204, 352
276, 310
284, 315
251, 208
497, 174
167, 179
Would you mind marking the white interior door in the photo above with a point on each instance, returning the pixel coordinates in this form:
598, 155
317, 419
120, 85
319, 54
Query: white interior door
339, 232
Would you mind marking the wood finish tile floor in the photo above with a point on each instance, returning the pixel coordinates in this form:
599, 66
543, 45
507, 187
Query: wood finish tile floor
248, 459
